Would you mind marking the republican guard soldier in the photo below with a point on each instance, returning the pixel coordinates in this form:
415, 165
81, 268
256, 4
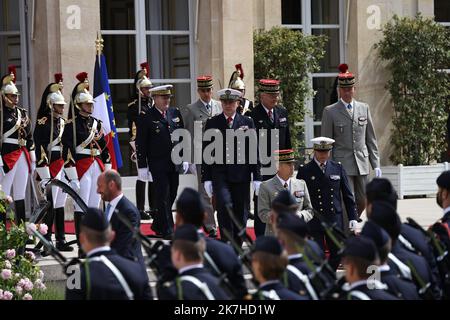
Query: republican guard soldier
137, 110
50, 163
237, 83
327, 182
17, 158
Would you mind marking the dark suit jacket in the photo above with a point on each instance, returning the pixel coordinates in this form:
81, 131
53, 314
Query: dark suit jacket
104, 284
232, 172
124, 243
325, 191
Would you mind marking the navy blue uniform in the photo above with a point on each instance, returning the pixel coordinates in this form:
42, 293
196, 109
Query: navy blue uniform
274, 290
231, 181
185, 290
372, 294
280, 122
103, 284
124, 243
325, 191
400, 287
154, 147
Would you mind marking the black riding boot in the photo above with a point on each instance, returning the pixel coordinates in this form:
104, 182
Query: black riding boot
77, 216
60, 234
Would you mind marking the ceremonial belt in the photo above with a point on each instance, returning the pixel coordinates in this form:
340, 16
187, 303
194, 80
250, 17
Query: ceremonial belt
406, 243
303, 278
404, 269
21, 142
8, 133
116, 273
92, 152
201, 285
56, 148
272, 295
58, 138
360, 295
88, 140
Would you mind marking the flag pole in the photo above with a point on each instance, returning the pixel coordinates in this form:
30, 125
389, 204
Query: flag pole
99, 46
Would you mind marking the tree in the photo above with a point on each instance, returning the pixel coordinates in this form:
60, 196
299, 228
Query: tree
417, 50
289, 56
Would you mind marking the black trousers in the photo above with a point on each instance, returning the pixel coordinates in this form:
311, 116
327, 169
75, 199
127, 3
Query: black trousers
320, 236
165, 186
140, 195
237, 196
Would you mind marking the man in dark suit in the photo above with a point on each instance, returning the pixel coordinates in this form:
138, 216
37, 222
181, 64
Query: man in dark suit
109, 186
228, 175
327, 182
154, 147
105, 275
194, 281
268, 115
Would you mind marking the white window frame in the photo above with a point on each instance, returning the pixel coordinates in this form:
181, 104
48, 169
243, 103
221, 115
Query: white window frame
307, 28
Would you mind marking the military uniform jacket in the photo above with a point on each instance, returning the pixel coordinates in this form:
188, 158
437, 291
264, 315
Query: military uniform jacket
274, 290
293, 282
262, 121
16, 136
90, 144
183, 289
197, 113
400, 287
134, 116
362, 292
154, 139
325, 190
98, 282
245, 107
269, 190
42, 142
231, 172
356, 142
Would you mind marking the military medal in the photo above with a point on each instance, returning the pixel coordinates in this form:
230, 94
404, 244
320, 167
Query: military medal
313, 178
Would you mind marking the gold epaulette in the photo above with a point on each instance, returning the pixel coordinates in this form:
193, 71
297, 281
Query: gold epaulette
42, 120
44, 158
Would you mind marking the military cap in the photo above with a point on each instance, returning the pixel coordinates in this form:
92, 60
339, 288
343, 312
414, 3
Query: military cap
186, 232
229, 94
345, 78
190, 204
95, 219
286, 155
373, 231
268, 244
284, 199
204, 82
269, 86
385, 215
381, 189
164, 90
322, 143
360, 247
293, 223
443, 180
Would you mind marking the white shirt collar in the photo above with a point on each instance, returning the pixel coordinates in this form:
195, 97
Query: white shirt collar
288, 181
267, 110
384, 267
357, 283
295, 256
232, 117
318, 163
446, 210
192, 266
113, 204
98, 249
206, 103
352, 103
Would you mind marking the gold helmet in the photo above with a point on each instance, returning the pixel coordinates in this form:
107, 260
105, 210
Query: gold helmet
236, 81
8, 82
81, 93
141, 80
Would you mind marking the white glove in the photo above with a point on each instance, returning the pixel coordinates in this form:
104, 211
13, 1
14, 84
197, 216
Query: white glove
185, 167
33, 166
193, 168
43, 183
208, 188
75, 185
149, 176
256, 185
352, 224
108, 166
143, 174
377, 172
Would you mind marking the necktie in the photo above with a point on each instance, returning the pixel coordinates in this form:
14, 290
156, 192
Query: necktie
108, 209
229, 121
164, 114
349, 108
208, 107
285, 185
270, 115
322, 166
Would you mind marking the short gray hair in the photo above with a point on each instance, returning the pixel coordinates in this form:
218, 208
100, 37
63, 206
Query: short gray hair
113, 175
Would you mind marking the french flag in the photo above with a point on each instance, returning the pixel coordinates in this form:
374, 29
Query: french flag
103, 110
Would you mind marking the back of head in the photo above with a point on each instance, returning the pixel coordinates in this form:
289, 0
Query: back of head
95, 227
361, 252
292, 230
187, 241
284, 202
114, 176
379, 236
385, 215
381, 189
269, 254
190, 206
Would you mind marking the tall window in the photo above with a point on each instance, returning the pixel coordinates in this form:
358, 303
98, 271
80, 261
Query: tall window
157, 31
442, 12
316, 17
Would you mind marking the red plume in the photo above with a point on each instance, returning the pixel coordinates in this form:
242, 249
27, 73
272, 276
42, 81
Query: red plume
144, 65
58, 77
239, 67
343, 67
82, 76
12, 69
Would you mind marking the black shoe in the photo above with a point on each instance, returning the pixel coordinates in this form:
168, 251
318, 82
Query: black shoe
62, 246
212, 233
144, 215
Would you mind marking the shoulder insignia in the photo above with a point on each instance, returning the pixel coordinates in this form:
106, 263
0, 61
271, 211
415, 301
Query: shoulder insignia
42, 120
132, 103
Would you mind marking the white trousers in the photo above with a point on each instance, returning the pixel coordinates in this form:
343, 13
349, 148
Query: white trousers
88, 187
59, 197
17, 178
